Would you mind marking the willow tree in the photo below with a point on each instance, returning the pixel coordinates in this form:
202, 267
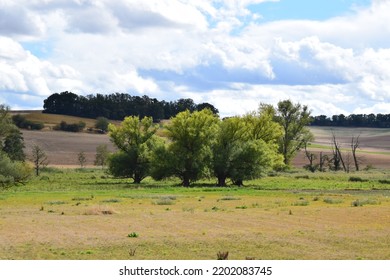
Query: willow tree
135, 140
294, 119
188, 152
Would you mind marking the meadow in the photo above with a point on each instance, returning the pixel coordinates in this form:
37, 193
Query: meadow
87, 214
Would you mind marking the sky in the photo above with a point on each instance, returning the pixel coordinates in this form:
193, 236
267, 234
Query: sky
332, 55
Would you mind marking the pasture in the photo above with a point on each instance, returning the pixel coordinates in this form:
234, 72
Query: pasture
86, 214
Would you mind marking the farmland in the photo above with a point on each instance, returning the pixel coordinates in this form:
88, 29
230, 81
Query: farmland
84, 213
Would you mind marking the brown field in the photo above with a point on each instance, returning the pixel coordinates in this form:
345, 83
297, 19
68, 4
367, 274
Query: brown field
62, 147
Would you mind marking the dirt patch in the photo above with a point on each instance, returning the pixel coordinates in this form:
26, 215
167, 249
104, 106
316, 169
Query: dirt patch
62, 148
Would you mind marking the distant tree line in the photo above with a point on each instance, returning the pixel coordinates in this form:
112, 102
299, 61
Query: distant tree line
353, 120
117, 106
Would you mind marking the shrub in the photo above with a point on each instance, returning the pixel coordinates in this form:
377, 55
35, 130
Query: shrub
21, 122
133, 235
356, 179
74, 127
332, 201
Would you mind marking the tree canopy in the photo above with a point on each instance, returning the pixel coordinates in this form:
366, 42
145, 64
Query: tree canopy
117, 106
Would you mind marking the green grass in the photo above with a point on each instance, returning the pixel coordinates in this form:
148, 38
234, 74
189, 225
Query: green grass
294, 215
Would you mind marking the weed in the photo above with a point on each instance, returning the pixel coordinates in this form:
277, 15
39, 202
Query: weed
302, 177
230, 198
164, 201
222, 255
133, 235
56, 202
188, 209
81, 198
112, 200
132, 252
100, 210
359, 202
356, 179
241, 207
301, 203
384, 181
332, 201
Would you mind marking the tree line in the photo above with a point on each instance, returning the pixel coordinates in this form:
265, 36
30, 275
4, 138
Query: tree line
117, 106
353, 120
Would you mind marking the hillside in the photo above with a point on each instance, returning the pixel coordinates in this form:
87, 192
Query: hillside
62, 147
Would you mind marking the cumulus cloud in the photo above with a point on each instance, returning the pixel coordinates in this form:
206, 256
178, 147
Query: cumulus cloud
212, 51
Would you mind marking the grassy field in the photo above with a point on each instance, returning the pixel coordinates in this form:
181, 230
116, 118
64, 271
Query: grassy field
86, 214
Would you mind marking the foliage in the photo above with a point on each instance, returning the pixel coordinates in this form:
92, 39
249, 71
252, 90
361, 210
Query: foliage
136, 140
21, 122
293, 118
12, 172
118, 105
13, 146
102, 124
188, 154
74, 127
245, 148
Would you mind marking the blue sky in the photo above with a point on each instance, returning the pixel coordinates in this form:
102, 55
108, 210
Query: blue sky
333, 56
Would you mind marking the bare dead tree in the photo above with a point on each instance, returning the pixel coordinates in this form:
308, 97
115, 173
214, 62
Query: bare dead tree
337, 159
323, 160
355, 143
39, 159
311, 157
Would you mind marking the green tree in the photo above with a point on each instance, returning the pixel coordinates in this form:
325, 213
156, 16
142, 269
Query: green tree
102, 124
13, 146
11, 171
102, 154
245, 148
188, 154
294, 119
135, 140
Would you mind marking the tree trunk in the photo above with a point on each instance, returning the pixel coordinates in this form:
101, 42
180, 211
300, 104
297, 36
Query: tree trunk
186, 181
221, 180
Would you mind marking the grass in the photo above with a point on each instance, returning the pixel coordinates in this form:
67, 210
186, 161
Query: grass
279, 217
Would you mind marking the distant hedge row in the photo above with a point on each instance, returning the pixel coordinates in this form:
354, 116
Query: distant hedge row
21, 122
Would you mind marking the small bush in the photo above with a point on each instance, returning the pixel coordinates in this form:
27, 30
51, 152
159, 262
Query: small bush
100, 210
74, 127
356, 179
56, 202
301, 203
332, 201
164, 201
111, 200
384, 181
302, 177
358, 202
230, 198
133, 235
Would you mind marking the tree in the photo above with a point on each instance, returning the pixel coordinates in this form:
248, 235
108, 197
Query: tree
294, 119
101, 155
135, 140
12, 171
39, 159
13, 146
102, 124
82, 159
245, 148
355, 143
188, 153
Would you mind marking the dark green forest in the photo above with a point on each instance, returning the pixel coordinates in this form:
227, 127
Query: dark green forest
117, 106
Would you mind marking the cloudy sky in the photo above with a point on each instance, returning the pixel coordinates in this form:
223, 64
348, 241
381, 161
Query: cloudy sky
332, 55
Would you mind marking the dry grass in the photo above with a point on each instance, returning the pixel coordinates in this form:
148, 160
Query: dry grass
267, 231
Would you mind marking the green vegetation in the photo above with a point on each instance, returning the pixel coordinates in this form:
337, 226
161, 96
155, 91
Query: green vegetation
278, 217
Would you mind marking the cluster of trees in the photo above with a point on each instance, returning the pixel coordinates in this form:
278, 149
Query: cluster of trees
198, 144
13, 169
21, 122
118, 105
353, 120
71, 127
